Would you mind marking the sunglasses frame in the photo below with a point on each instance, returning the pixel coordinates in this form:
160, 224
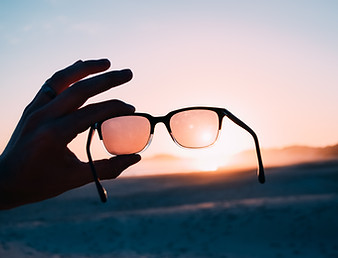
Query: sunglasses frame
221, 112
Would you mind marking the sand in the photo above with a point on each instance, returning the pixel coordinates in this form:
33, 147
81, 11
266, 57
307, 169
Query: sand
212, 214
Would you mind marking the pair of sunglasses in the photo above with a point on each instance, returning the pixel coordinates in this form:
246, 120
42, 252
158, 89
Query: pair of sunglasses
192, 128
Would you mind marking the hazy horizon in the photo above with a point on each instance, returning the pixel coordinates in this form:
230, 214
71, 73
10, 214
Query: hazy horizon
164, 163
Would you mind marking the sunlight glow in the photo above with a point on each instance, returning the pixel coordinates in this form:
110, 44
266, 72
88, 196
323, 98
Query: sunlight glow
207, 164
267, 64
207, 137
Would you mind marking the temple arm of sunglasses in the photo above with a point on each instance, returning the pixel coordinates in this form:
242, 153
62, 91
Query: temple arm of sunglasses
260, 172
102, 192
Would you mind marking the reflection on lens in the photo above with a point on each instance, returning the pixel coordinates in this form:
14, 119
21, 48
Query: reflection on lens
195, 128
126, 134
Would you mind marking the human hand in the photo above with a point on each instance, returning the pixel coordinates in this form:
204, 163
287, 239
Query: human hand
37, 164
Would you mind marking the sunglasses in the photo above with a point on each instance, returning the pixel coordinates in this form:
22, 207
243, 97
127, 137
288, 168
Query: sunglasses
192, 127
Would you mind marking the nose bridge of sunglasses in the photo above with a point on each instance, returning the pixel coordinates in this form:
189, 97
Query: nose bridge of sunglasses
159, 120
162, 127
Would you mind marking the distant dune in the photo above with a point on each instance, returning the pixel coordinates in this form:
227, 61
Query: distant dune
291, 155
287, 156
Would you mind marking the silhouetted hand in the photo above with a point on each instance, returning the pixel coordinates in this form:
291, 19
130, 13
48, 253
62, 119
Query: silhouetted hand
36, 163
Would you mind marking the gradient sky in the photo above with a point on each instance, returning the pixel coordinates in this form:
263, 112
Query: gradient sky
272, 63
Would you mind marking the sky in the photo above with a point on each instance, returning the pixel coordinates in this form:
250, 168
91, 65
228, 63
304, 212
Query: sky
271, 63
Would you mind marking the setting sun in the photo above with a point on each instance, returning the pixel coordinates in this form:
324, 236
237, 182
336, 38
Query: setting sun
208, 163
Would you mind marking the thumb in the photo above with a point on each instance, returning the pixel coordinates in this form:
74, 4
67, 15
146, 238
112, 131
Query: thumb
113, 167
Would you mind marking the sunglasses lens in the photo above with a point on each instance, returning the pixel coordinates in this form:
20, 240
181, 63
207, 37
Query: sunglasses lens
125, 134
196, 128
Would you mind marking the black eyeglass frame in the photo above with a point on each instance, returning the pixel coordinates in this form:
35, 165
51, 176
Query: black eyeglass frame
221, 112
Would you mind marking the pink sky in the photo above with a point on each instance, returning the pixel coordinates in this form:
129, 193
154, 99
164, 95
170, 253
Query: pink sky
273, 64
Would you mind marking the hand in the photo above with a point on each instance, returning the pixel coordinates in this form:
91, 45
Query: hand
36, 164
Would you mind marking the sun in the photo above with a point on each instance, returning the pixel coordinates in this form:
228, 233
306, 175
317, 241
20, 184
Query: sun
203, 165
209, 163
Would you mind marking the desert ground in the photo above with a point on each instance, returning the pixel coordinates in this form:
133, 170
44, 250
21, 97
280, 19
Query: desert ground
209, 214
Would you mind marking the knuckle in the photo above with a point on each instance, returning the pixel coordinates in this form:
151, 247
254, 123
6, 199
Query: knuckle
27, 110
79, 63
78, 91
56, 77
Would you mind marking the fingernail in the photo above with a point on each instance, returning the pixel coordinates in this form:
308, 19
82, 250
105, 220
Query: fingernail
134, 158
127, 73
131, 107
126, 106
128, 160
105, 60
78, 61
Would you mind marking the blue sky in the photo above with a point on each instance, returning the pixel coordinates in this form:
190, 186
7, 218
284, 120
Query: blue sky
272, 63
